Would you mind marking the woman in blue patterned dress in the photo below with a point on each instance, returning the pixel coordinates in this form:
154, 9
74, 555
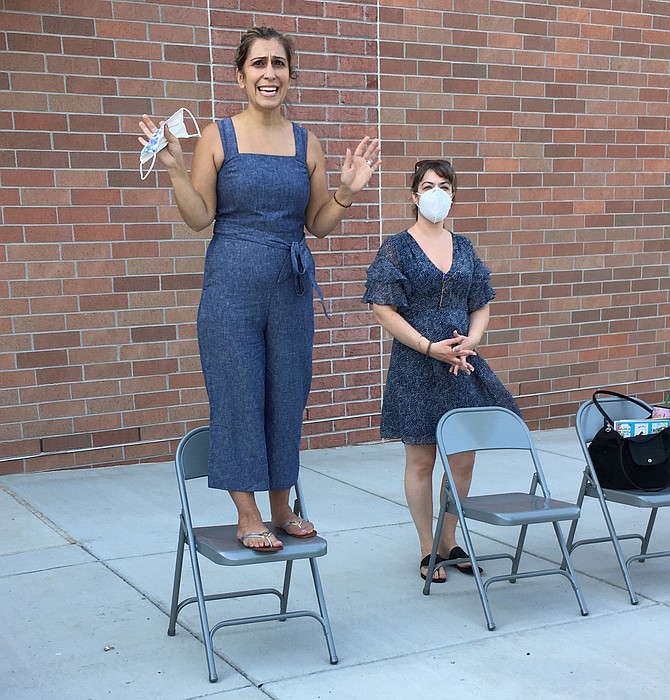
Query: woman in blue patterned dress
262, 179
431, 292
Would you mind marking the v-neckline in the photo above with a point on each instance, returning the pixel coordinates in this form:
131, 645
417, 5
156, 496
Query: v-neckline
425, 255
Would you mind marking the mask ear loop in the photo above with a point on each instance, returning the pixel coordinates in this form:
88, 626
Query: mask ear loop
145, 175
197, 128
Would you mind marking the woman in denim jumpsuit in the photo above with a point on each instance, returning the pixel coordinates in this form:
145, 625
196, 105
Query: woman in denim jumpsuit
262, 180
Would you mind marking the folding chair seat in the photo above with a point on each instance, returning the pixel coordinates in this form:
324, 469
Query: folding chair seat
588, 422
220, 545
494, 428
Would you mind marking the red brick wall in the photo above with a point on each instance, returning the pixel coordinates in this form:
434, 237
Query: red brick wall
555, 115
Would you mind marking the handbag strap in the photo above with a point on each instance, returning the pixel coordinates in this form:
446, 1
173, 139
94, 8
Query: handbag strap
607, 392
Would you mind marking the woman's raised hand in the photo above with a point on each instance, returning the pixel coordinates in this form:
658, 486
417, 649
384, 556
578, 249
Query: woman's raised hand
169, 156
358, 166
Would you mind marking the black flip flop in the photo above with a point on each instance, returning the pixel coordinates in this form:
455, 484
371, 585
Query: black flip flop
425, 561
459, 553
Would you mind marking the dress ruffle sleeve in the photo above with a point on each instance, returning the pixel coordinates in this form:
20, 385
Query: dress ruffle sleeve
481, 291
385, 282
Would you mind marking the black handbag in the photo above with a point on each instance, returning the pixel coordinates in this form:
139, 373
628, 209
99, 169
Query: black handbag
638, 462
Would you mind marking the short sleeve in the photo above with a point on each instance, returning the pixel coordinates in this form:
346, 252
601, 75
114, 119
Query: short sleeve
481, 292
385, 282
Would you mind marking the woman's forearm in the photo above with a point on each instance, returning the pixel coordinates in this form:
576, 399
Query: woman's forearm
479, 321
330, 214
394, 324
190, 203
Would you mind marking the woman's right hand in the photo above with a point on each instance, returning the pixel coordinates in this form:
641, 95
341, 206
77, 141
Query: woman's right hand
443, 350
172, 155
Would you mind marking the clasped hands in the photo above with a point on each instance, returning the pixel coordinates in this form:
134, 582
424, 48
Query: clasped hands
455, 351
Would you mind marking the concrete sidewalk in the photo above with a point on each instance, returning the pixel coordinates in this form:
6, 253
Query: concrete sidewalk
86, 566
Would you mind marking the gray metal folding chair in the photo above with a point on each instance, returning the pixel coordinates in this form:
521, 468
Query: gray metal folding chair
494, 428
219, 544
588, 422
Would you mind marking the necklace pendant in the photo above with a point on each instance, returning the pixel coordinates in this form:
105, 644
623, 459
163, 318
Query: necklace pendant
445, 276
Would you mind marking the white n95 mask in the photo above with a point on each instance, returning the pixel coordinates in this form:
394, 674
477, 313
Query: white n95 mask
158, 142
435, 204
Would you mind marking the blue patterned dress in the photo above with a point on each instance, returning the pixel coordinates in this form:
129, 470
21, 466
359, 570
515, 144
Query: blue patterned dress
420, 389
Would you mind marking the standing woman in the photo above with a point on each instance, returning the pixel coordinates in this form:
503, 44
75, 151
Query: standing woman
431, 292
262, 179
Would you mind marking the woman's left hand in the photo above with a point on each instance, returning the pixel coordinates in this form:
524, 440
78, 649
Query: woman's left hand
358, 166
464, 348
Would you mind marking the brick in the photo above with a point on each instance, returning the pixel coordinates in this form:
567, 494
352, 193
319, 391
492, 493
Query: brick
69, 26
148, 231
45, 358
115, 437
184, 281
185, 54
137, 283
118, 68
32, 215
65, 442
156, 399
47, 341
153, 333
18, 42
87, 47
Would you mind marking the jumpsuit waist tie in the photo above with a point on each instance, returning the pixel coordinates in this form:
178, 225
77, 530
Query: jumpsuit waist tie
302, 261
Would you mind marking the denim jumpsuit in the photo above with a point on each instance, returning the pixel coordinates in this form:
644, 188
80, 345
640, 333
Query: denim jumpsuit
255, 320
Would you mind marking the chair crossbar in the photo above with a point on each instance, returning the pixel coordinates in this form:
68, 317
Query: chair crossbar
525, 574
267, 618
648, 555
598, 540
638, 499
232, 594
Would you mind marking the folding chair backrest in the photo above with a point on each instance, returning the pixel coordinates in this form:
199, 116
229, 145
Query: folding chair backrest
193, 453
590, 420
475, 429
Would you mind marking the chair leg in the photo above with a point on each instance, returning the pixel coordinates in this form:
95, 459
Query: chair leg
573, 524
436, 541
617, 549
519, 551
570, 569
468, 544
481, 588
323, 610
647, 533
204, 624
283, 605
177, 582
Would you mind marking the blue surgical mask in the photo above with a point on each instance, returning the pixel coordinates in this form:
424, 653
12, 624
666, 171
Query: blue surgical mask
435, 204
158, 142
